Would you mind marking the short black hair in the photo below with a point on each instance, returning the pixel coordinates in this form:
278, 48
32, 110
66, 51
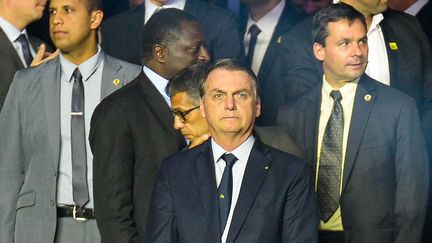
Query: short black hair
333, 13
231, 65
93, 5
164, 27
189, 81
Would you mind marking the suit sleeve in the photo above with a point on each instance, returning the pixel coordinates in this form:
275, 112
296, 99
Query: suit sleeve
301, 70
412, 174
11, 161
161, 225
300, 215
111, 141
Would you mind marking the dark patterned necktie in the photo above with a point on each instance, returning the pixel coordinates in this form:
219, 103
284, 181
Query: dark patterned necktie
330, 164
78, 142
254, 32
225, 189
22, 39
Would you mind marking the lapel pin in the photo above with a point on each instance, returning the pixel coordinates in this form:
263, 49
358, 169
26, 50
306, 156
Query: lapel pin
221, 196
266, 168
367, 97
116, 82
279, 40
393, 46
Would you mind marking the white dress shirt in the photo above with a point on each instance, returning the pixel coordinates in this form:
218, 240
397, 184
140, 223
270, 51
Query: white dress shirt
12, 34
242, 153
159, 82
150, 8
267, 25
416, 7
91, 71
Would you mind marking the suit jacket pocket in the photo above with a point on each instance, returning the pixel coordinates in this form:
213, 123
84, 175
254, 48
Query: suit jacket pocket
26, 199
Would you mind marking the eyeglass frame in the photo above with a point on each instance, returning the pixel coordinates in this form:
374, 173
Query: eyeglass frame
182, 114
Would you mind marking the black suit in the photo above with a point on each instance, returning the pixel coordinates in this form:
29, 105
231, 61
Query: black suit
424, 16
10, 62
270, 84
121, 34
385, 175
131, 132
276, 201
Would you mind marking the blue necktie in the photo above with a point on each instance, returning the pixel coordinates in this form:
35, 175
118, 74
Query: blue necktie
225, 189
78, 142
254, 32
330, 165
22, 39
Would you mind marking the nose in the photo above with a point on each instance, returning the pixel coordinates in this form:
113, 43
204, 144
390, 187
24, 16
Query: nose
357, 49
177, 123
203, 55
230, 103
56, 19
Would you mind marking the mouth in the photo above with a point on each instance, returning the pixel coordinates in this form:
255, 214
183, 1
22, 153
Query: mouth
59, 34
357, 65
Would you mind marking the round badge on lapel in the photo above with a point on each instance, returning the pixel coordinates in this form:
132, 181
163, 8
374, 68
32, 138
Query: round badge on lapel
116, 82
368, 97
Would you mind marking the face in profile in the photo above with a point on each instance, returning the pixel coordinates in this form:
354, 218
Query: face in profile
192, 125
71, 25
345, 53
29, 10
187, 50
229, 103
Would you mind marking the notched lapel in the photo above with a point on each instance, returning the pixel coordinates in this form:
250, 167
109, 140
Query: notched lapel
363, 104
112, 78
258, 165
311, 115
205, 171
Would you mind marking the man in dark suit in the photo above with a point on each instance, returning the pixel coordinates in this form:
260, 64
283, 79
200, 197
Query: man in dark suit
131, 130
220, 28
232, 188
362, 138
15, 15
262, 27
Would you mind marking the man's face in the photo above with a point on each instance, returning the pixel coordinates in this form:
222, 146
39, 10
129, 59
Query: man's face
229, 103
345, 54
28, 10
368, 7
187, 50
194, 125
71, 25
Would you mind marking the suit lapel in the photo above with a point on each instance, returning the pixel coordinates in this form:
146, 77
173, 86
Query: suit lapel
311, 123
254, 175
359, 119
393, 55
51, 78
205, 171
112, 79
8, 51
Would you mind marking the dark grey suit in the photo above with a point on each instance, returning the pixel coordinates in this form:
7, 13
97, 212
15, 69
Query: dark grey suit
30, 148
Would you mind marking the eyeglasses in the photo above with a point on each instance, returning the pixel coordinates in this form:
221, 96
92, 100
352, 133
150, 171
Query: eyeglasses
182, 114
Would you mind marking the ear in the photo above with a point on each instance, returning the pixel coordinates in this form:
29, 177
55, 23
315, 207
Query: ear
319, 51
258, 108
202, 112
96, 17
159, 53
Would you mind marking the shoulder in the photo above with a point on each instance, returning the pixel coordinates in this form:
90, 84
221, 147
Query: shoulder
283, 163
127, 67
125, 17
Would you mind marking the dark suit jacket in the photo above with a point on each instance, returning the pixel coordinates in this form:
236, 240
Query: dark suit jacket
131, 132
219, 27
424, 16
385, 177
10, 62
271, 87
275, 204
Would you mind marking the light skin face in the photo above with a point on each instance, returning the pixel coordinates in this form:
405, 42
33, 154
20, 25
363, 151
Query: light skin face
73, 29
185, 51
195, 126
345, 55
20, 13
230, 107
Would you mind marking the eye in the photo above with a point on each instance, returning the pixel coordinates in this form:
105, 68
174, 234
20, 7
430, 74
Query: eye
242, 95
218, 95
68, 10
363, 42
343, 43
194, 49
52, 12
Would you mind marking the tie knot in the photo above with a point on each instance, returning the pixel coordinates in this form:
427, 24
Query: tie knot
230, 159
22, 38
336, 95
254, 30
77, 74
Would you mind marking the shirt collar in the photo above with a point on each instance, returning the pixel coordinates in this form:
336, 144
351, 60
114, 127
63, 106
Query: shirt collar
10, 30
416, 7
242, 152
158, 81
376, 20
347, 90
150, 8
268, 22
86, 68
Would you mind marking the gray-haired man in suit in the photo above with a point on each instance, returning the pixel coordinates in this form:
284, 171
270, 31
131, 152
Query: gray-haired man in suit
45, 160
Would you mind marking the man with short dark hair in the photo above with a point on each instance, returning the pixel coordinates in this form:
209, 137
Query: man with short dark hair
131, 130
362, 138
232, 188
46, 178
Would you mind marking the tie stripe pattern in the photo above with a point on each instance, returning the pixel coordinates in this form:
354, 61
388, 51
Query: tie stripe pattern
22, 39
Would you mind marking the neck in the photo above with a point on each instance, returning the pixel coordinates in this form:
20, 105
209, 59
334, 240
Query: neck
19, 23
79, 56
260, 10
230, 142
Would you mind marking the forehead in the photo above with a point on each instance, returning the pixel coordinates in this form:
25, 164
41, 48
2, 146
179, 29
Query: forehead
228, 80
191, 31
344, 28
